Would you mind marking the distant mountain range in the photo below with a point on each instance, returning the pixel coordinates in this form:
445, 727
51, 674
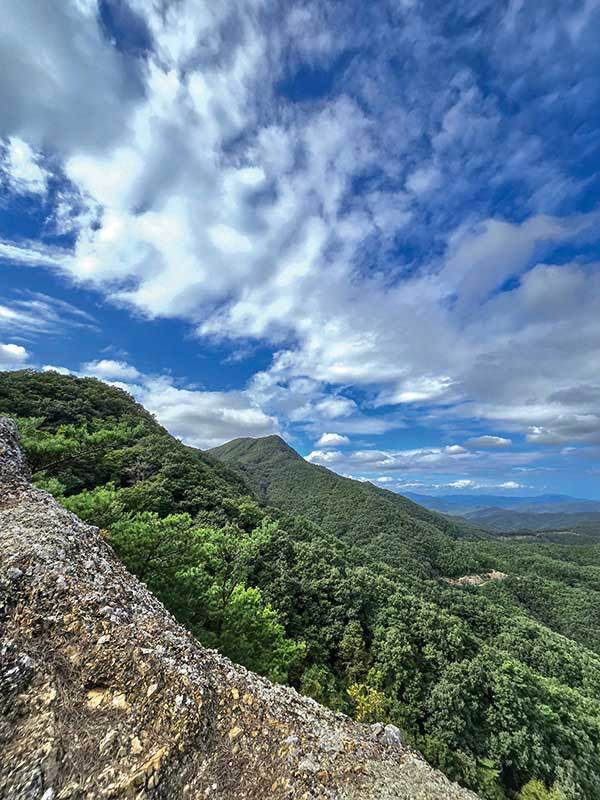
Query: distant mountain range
462, 504
506, 514
585, 523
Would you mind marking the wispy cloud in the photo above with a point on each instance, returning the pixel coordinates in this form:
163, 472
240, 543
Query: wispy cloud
21, 169
30, 313
31, 254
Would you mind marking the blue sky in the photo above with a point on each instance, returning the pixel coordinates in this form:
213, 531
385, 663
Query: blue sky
371, 228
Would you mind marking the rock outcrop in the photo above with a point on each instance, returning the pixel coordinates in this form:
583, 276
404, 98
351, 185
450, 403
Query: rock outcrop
104, 695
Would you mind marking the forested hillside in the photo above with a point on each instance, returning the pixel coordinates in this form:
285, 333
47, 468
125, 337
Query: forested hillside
393, 528
342, 590
555, 585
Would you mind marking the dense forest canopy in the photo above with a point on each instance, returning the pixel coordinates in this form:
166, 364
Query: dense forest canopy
341, 589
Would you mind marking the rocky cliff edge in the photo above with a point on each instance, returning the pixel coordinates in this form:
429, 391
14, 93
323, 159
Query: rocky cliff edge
104, 695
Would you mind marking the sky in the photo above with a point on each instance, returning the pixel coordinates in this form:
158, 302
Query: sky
371, 228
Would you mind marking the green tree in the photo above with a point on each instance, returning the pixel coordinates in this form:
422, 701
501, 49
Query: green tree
101, 506
353, 658
371, 704
536, 790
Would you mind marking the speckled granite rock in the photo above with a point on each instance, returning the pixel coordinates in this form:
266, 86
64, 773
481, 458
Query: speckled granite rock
104, 695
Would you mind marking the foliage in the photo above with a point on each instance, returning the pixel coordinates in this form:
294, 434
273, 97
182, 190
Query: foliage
369, 700
394, 528
200, 574
536, 790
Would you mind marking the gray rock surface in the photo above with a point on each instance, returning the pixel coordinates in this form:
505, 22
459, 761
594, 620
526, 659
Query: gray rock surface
104, 695
13, 467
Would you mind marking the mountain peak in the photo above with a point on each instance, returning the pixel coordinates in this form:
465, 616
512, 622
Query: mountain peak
263, 446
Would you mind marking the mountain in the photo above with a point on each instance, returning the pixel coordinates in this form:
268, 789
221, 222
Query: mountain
104, 695
393, 528
508, 521
358, 598
96, 419
462, 503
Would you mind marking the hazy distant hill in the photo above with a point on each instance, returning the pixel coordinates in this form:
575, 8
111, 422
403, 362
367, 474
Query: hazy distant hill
544, 503
508, 521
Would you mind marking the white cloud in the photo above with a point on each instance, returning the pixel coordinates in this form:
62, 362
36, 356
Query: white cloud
454, 450
489, 441
203, 419
563, 428
426, 388
481, 258
107, 369
335, 406
324, 456
200, 418
423, 180
511, 485
463, 483
308, 403
13, 356
33, 255
332, 440
483, 467
62, 84
60, 370
22, 168
33, 312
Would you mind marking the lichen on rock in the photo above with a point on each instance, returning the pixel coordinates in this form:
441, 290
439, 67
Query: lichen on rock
104, 695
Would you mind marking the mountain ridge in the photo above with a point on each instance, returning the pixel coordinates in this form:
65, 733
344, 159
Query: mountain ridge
460, 503
360, 614
104, 695
281, 477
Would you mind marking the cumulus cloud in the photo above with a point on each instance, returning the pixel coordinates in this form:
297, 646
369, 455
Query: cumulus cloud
13, 356
489, 441
54, 368
428, 458
563, 428
310, 404
203, 419
332, 440
108, 369
449, 467
463, 483
200, 418
62, 84
324, 457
